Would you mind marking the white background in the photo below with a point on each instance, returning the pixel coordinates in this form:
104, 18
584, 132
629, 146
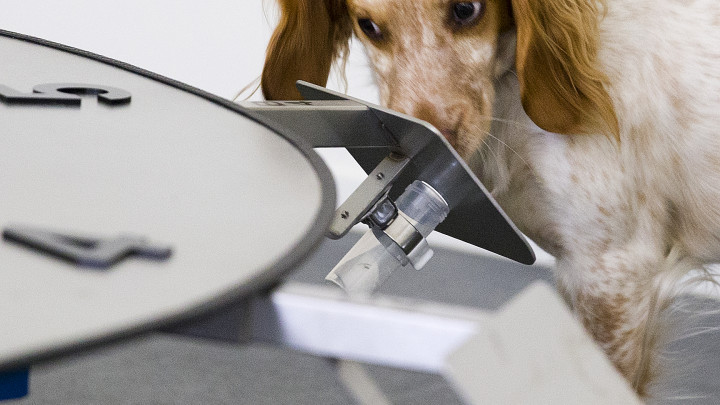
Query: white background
215, 45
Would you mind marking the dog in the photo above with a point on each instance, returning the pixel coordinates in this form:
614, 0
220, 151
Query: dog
595, 124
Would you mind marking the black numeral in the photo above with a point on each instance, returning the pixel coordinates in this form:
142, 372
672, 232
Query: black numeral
85, 251
64, 94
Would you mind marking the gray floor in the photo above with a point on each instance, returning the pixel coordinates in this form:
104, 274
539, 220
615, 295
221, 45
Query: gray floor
165, 368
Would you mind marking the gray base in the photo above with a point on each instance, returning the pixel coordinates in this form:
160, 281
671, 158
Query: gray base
169, 369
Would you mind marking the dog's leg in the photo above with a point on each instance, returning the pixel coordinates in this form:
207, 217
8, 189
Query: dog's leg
621, 300
619, 320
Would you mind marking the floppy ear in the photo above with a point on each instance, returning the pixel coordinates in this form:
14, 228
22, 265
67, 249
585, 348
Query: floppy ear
561, 85
311, 34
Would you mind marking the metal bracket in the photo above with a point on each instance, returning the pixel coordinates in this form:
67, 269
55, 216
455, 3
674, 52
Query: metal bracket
367, 195
372, 133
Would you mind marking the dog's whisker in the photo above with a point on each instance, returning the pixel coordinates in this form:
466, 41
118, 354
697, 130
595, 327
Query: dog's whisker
490, 149
507, 146
517, 124
483, 153
255, 82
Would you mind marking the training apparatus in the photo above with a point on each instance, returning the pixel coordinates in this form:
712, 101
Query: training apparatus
132, 202
416, 182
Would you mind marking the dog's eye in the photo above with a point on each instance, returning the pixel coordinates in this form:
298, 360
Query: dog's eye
370, 29
467, 12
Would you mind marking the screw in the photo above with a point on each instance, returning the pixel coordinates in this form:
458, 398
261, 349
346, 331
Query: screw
344, 215
380, 176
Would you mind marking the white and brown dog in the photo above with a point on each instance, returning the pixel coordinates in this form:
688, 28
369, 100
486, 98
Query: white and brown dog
595, 124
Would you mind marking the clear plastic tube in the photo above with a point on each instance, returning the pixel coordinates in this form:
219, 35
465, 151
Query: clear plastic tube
368, 264
423, 204
365, 267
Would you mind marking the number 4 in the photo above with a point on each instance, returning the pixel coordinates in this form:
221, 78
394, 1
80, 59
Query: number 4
85, 251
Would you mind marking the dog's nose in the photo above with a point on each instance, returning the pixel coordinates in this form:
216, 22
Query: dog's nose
437, 118
449, 134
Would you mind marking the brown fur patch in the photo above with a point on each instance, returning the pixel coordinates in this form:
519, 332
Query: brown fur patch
605, 316
311, 34
562, 88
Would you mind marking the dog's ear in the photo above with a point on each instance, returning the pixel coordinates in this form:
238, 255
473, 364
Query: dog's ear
561, 85
311, 34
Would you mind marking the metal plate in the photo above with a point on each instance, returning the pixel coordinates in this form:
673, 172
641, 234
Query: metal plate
238, 202
371, 132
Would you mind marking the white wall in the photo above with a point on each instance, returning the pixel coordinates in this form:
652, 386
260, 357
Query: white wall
216, 45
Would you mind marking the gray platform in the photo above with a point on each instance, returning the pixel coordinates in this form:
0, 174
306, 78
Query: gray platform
171, 369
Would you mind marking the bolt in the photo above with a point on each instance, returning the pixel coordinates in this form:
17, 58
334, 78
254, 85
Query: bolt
380, 176
344, 215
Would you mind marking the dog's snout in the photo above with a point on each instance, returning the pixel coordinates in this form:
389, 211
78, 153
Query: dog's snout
441, 119
449, 134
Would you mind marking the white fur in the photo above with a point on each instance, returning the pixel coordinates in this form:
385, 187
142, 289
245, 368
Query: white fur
626, 218
613, 213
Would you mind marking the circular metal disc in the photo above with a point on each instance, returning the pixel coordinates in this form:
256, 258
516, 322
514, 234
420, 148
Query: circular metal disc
236, 201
